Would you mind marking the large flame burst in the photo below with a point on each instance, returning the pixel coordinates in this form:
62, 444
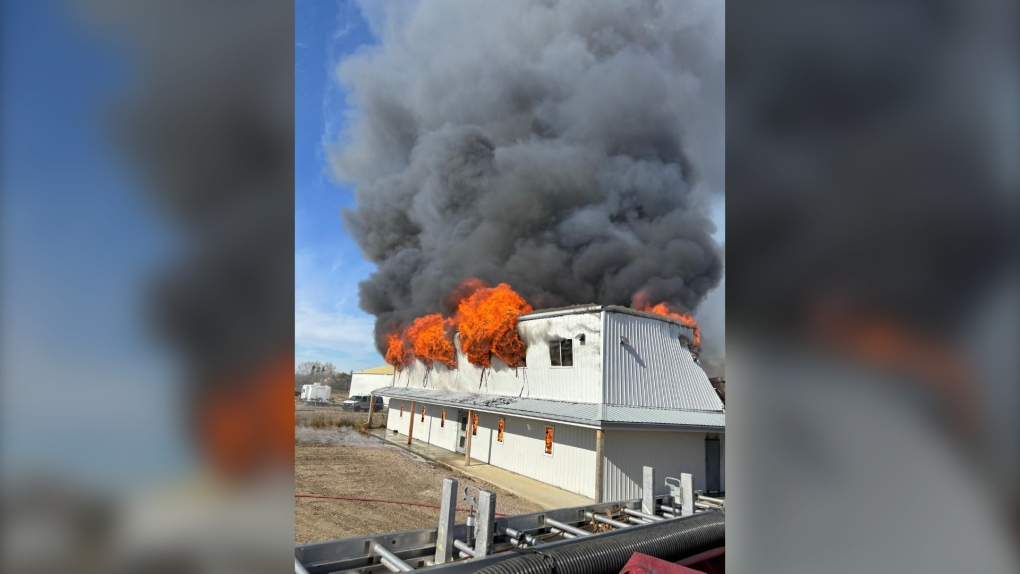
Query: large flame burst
431, 340
397, 353
486, 319
641, 303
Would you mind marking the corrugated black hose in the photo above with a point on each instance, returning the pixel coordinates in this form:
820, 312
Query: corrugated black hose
670, 540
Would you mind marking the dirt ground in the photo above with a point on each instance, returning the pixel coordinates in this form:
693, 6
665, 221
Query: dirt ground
344, 462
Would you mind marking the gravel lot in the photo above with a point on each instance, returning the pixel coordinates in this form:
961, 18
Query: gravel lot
344, 462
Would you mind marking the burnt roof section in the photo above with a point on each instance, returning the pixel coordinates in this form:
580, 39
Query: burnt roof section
595, 308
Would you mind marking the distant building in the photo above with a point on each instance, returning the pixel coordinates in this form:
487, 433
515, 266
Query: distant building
367, 381
599, 379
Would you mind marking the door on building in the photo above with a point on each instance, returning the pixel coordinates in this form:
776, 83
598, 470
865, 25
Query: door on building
713, 464
462, 422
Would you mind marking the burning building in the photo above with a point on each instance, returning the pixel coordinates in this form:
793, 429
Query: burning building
579, 397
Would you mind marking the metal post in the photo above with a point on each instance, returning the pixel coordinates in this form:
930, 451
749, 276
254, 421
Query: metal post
410, 428
599, 436
485, 523
371, 409
447, 518
687, 484
648, 491
467, 439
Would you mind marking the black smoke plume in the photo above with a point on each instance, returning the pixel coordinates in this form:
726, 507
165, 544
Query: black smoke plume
571, 149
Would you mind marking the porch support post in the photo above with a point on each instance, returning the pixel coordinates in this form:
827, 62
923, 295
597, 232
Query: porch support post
467, 439
410, 427
599, 436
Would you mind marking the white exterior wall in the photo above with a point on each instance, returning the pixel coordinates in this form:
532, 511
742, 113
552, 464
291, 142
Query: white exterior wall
365, 383
670, 453
570, 467
653, 369
540, 380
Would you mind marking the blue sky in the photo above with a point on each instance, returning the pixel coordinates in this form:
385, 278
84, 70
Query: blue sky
328, 326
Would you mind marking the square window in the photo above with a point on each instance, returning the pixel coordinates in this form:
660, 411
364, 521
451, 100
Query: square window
561, 353
567, 352
499, 434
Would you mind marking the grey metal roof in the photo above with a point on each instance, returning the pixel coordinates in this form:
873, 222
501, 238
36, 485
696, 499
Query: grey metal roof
644, 364
579, 413
641, 415
586, 414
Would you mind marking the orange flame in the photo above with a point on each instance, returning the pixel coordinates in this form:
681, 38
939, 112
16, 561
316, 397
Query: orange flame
487, 321
397, 353
641, 303
430, 342
486, 318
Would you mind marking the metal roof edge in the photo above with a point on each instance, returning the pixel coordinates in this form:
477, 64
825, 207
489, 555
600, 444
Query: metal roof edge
559, 311
438, 400
612, 425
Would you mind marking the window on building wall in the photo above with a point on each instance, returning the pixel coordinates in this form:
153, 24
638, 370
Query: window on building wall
442, 419
548, 440
499, 433
561, 353
423, 413
474, 425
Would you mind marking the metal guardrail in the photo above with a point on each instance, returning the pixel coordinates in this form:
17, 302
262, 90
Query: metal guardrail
461, 548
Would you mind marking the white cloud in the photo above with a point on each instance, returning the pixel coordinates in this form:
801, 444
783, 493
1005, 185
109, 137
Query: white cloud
314, 327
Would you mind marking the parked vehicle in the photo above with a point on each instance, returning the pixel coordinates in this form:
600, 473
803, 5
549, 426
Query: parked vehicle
361, 403
316, 393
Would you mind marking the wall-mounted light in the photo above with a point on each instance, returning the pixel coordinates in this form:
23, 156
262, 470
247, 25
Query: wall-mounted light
624, 340
580, 337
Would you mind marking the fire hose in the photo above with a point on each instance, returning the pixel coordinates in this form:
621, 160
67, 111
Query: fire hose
670, 540
381, 500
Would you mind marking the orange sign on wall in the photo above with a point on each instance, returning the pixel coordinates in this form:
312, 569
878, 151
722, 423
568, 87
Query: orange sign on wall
474, 426
401, 410
499, 435
423, 413
548, 440
442, 419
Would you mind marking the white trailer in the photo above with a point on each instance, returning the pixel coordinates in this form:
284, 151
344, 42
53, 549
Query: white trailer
305, 389
318, 393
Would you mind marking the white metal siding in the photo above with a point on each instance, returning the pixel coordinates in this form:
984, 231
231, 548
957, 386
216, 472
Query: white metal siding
540, 380
570, 467
670, 453
365, 383
653, 369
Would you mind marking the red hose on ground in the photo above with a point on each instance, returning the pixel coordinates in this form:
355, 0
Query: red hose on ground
363, 499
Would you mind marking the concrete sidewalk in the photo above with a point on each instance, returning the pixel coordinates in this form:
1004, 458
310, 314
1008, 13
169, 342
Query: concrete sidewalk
540, 493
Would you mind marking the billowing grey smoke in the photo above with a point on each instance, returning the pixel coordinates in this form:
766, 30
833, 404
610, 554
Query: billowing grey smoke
571, 149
